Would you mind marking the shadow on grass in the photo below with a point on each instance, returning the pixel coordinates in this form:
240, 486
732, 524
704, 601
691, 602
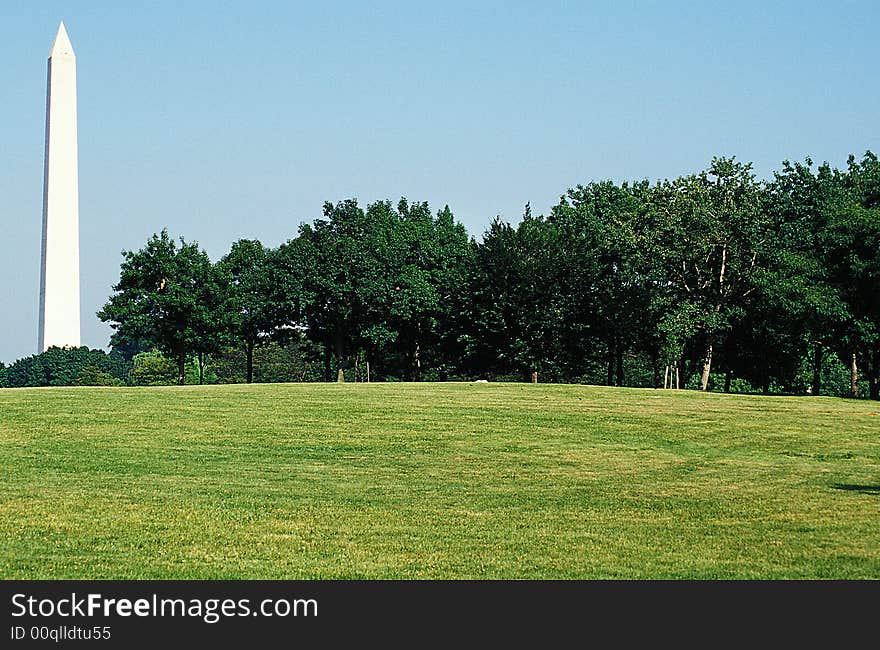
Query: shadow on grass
864, 489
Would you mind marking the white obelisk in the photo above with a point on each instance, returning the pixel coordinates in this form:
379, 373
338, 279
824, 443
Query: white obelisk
59, 273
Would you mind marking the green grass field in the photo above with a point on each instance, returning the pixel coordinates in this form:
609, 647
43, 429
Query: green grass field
435, 481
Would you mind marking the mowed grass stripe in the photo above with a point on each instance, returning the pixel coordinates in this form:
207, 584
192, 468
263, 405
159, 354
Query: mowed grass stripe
435, 481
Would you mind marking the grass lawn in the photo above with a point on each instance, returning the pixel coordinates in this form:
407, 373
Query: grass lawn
435, 481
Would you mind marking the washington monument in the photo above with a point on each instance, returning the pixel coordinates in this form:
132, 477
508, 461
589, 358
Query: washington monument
59, 270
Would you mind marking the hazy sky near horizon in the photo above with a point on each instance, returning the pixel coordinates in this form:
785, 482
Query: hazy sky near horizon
228, 120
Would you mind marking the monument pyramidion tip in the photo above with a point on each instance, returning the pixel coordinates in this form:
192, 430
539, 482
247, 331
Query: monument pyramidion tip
61, 46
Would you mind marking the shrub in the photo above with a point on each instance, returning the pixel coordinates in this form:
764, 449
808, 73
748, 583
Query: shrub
294, 362
155, 369
62, 366
738, 385
94, 376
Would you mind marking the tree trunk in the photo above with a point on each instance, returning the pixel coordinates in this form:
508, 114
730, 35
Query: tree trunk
666, 377
727, 377
874, 376
357, 356
328, 363
707, 368
417, 363
201, 367
249, 350
368, 371
854, 377
340, 358
611, 357
677, 377
619, 366
181, 367
417, 354
534, 377
817, 369
655, 366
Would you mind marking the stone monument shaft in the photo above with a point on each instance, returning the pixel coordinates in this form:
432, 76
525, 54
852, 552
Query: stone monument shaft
59, 271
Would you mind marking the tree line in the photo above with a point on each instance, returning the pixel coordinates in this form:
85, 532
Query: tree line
714, 280
84, 367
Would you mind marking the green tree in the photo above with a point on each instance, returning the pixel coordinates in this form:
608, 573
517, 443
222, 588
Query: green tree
170, 295
333, 273
251, 318
710, 236
600, 276
488, 311
806, 306
854, 240
510, 311
62, 366
419, 262
454, 260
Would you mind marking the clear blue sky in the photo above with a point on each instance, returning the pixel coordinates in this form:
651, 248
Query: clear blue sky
223, 120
